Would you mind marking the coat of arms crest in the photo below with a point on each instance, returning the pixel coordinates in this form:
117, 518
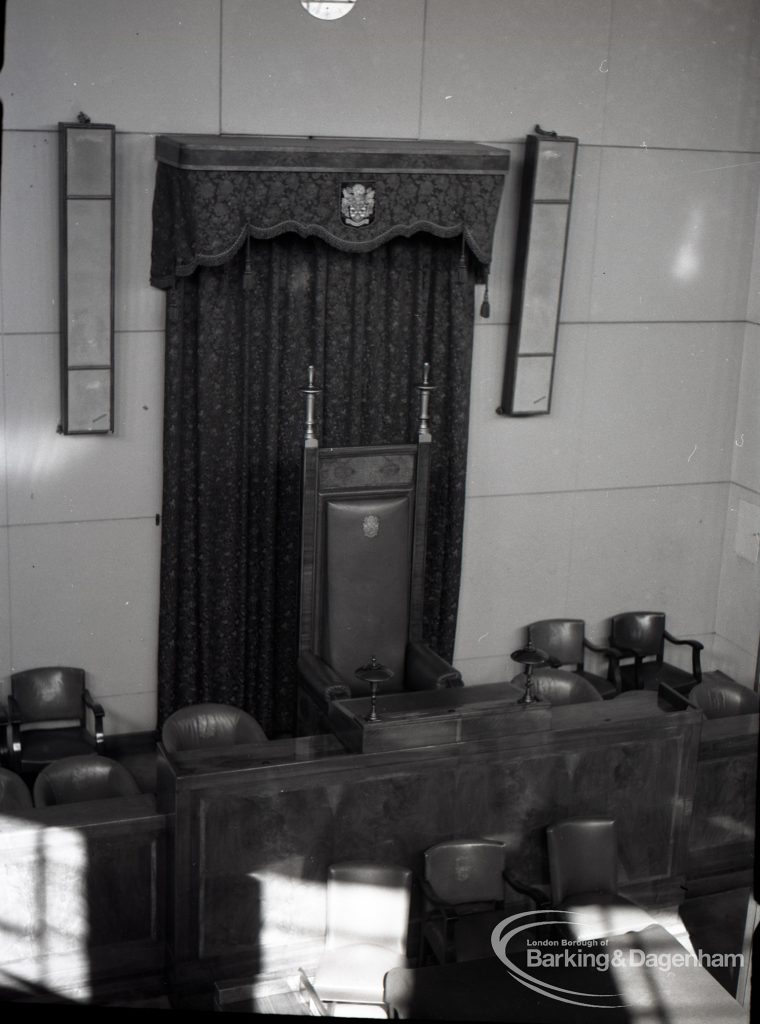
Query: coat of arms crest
357, 204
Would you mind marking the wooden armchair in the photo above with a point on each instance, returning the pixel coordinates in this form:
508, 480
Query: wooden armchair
640, 638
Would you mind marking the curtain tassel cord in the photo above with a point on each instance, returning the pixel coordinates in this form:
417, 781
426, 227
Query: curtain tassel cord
248, 271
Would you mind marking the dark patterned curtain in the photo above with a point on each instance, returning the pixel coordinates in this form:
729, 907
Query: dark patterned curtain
239, 339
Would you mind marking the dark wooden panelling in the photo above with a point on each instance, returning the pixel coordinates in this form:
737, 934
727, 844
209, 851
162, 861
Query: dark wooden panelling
256, 838
722, 832
83, 893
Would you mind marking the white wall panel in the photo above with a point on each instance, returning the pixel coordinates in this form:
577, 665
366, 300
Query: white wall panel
659, 403
494, 69
738, 619
646, 549
141, 65
57, 478
683, 74
287, 73
520, 455
29, 238
86, 594
675, 235
516, 557
139, 306
746, 454
5, 615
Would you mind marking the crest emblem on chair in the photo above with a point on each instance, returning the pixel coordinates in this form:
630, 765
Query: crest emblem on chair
357, 204
370, 527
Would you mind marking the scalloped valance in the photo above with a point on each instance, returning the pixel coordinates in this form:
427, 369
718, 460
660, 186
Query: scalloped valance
215, 191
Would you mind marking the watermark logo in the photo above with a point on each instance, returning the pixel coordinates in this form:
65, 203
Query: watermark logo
554, 958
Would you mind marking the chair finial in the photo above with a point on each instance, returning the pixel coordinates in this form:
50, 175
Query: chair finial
424, 389
310, 391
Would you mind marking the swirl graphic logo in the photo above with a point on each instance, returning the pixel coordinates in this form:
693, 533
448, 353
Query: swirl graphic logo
568, 955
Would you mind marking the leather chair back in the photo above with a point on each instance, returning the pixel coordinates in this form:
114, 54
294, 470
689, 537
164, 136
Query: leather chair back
724, 698
368, 903
643, 632
367, 562
49, 694
561, 639
14, 792
582, 857
466, 870
209, 725
83, 777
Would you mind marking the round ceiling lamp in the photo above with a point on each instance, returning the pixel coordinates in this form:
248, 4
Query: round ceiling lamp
328, 11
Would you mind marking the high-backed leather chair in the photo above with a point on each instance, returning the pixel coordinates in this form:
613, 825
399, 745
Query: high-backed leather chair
556, 686
366, 935
640, 638
583, 873
56, 696
81, 778
724, 698
565, 643
14, 793
363, 529
209, 725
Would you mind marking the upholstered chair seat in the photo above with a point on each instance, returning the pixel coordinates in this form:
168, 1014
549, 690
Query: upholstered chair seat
556, 686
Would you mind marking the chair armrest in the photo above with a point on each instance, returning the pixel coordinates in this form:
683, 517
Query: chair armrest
14, 719
426, 670
613, 656
98, 713
322, 678
439, 908
696, 647
539, 897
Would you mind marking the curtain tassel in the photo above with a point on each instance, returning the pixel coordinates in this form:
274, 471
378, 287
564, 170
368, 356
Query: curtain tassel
248, 271
485, 306
463, 262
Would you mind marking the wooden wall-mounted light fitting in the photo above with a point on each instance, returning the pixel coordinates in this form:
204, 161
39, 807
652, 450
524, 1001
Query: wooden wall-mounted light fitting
547, 192
87, 179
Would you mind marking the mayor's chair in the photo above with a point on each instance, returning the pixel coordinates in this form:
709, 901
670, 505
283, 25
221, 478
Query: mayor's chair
366, 934
640, 638
565, 644
363, 539
52, 715
209, 725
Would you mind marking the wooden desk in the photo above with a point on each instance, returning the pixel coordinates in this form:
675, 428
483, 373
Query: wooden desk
82, 895
421, 718
676, 992
253, 829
